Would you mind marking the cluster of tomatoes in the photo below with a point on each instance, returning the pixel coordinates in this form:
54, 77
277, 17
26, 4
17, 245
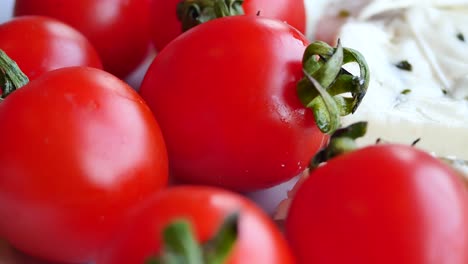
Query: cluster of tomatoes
96, 172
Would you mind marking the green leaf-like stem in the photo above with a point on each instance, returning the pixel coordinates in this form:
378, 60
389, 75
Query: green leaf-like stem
324, 64
342, 141
11, 77
180, 246
194, 12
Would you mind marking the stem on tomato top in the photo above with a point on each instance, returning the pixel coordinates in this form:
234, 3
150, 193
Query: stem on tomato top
342, 141
328, 88
194, 12
180, 246
11, 77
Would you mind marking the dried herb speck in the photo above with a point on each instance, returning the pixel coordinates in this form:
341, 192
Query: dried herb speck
461, 37
404, 65
406, 91
414, 143
344, 13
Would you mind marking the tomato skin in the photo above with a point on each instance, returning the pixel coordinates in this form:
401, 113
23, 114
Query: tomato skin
165, 26
289, 11
82, 150
380, 204
118, 29
259, 240
230, 113
9, 255
56, 45
164, 23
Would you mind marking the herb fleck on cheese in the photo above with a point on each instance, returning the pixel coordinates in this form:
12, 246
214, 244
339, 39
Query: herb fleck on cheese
404, 65
406, 91
344, 13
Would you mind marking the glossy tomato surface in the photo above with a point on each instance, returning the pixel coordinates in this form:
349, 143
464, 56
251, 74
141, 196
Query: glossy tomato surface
166, 26
381, 204
118, 29
41, 44
81, 149
258, 241
229, 113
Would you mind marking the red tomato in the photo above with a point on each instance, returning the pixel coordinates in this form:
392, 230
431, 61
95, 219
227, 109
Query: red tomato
41, 44
166, 26
258, 241
380, 204
82, 149
118, 29
9, 255
230, 113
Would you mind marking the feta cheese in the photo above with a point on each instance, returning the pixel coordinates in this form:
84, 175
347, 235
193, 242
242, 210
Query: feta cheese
429, 102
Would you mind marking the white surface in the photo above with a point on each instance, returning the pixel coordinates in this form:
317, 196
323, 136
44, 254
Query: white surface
6, 9
426, 37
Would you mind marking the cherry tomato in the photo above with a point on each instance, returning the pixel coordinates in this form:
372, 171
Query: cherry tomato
166, 26
230, 113
80, 149
258, 241
9, 255
41, 44
380, 204
118, 29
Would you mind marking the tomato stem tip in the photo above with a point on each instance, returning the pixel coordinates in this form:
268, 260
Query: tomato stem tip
325, 81
180, 245
342, 141
11, 77
194, 12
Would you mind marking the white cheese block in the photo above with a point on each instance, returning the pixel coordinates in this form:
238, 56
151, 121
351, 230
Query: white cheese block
435, 110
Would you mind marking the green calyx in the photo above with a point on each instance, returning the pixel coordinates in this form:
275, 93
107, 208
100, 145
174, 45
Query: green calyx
11, 77
326, 85
194, 12
180, 246
342, 141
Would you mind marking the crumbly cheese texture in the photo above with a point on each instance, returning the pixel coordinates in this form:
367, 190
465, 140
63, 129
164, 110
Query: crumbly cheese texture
429, 101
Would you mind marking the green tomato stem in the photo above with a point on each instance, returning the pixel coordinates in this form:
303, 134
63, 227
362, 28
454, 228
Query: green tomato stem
342, 141
11, 77
326, 80
180, 246
194, 12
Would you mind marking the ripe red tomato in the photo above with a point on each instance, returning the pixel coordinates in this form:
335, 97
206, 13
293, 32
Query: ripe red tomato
81, 148
118, 29
41, 44
258, 241
9, 255
166, 26
230, 113
380, 204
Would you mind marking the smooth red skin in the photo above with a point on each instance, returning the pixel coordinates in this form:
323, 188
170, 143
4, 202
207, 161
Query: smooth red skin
229, 112
9, 255
41, 44
118, 29
381, 204
289, 11
259, 240
166, 26
81, 148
